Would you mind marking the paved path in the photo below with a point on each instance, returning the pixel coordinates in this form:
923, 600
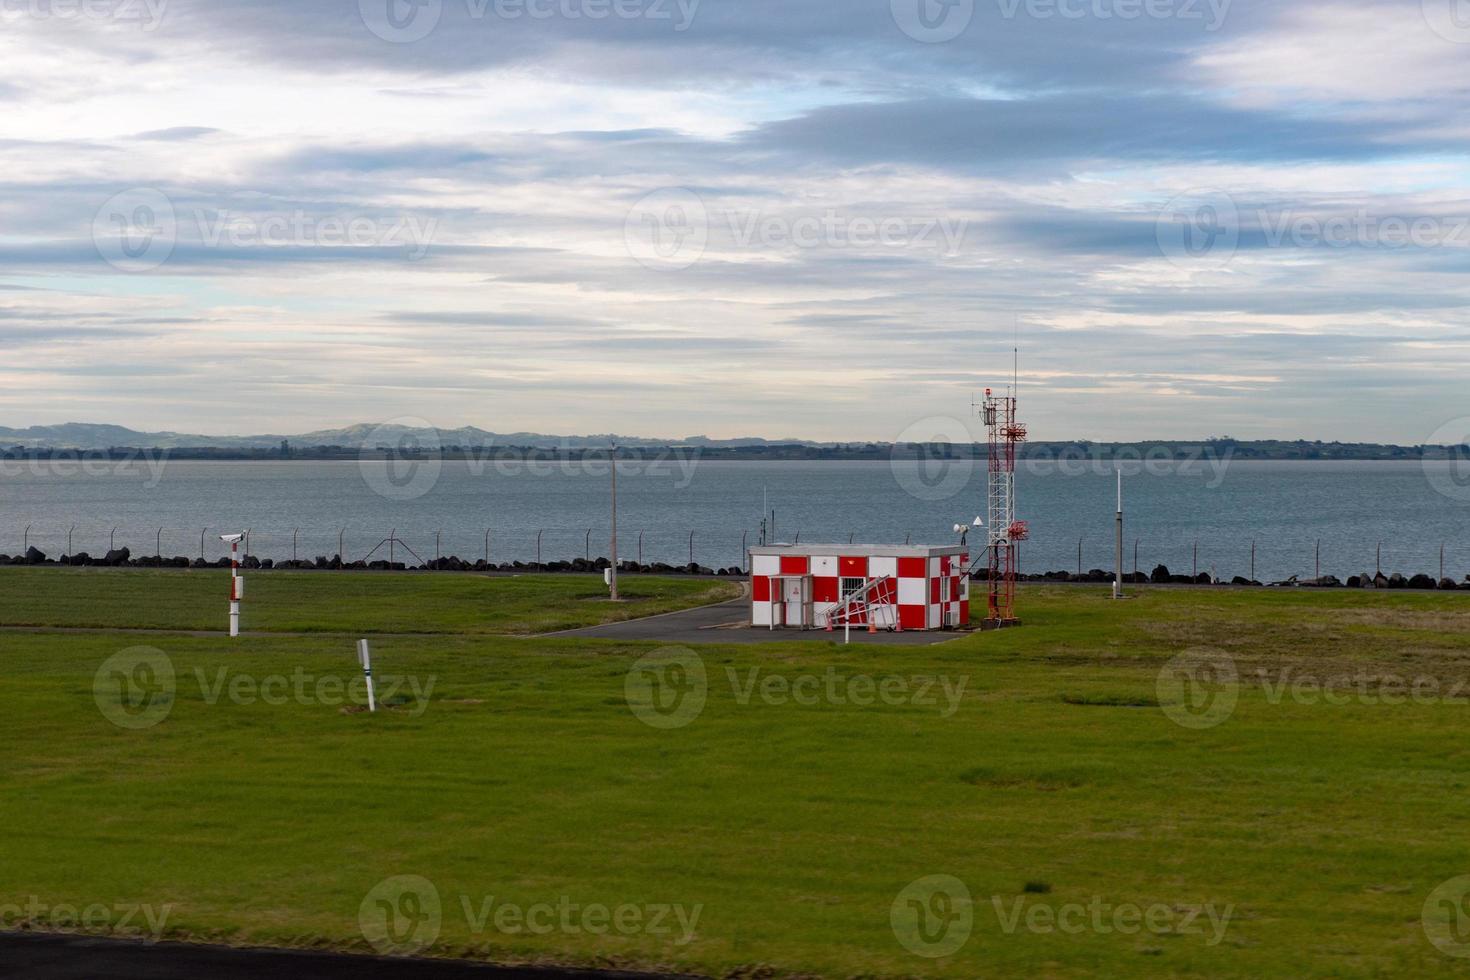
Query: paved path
727, 622
48, 957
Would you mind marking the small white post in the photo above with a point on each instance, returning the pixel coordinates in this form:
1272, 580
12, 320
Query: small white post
365, 657
235, 588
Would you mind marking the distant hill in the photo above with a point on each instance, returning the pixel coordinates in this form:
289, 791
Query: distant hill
354, 439
96, 436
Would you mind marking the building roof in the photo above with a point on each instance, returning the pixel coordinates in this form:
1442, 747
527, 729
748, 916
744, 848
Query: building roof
861, 550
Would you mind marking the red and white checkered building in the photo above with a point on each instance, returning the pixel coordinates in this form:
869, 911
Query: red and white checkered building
912, 587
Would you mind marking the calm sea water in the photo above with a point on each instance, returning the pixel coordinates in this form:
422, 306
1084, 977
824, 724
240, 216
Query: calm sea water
1285, 508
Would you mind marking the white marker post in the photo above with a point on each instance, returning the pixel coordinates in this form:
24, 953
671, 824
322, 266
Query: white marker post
237, 582
365, 657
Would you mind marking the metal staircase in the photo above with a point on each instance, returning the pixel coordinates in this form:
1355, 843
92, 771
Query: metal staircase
856, 607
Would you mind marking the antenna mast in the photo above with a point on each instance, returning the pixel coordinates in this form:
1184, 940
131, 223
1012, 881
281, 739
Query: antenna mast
1004, 530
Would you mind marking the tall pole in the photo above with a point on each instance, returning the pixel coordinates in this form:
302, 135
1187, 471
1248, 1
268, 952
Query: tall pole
1118, 578
613, 578
235, 587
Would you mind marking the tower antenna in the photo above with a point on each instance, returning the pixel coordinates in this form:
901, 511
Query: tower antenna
1004, 531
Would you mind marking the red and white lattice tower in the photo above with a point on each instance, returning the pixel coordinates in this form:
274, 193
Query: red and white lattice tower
1003, 530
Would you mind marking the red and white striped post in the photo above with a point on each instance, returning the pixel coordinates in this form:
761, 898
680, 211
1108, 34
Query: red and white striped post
237, 582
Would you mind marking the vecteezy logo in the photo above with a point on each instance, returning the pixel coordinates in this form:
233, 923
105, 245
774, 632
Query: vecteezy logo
134, 689
933, 473
933, 917
1199, 688
1446, 917
135, 230
667, 688
1199, 229
401, 916
400, 21
932, 21
1450, 19
401, 459
668, 229
1451, 477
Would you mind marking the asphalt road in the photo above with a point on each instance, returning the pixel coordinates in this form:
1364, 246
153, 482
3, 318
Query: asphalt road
728, 622
47, 957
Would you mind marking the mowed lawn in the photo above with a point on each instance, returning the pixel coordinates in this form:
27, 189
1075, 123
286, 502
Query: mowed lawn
1314, 830
337, 602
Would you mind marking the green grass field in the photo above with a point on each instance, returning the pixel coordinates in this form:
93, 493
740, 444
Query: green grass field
338, 602
1315, 829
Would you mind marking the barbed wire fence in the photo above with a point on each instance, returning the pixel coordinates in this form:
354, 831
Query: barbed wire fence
1249, 559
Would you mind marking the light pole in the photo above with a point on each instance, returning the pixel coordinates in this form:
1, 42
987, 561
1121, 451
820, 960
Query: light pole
612, 579
1118, 577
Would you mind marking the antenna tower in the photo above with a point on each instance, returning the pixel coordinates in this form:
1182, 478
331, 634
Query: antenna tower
1003, 530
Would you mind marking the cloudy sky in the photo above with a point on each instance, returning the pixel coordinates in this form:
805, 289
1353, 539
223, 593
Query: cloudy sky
819, 218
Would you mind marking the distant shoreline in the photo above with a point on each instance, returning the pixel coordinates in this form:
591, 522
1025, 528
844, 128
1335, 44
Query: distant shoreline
1162, 450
